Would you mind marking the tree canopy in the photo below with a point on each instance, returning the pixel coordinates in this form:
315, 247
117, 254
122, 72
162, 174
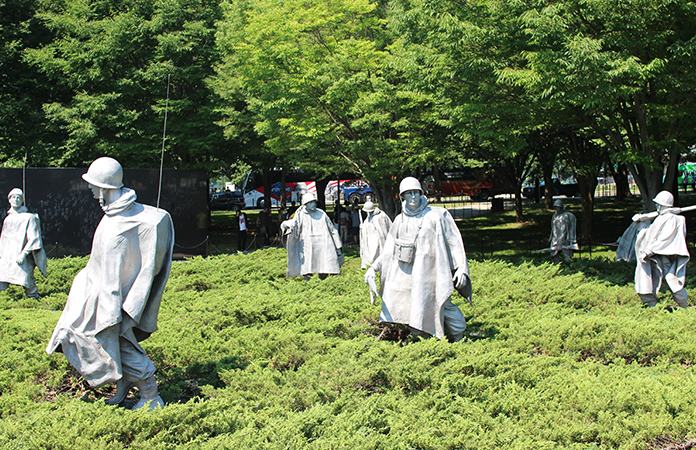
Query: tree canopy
112, 61
378, 88
324, 90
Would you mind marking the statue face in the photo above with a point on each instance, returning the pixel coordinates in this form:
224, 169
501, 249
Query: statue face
311, 206
412, 199
15, 200
95, 190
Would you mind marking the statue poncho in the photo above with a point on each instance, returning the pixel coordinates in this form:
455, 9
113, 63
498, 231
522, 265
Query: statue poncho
118, 294
664, 244
21, 233
312, 243
415, 292
626, 249
373, 234
563, 232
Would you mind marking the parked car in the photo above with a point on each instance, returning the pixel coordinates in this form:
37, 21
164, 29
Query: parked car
227, 200
558, 188
357, 192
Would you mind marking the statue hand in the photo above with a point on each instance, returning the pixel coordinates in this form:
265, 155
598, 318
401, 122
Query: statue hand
339, 252
21, 258
370, 275
459, 278
371, 280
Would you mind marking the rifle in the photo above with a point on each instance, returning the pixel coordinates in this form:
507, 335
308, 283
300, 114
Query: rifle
649, 216
565, 247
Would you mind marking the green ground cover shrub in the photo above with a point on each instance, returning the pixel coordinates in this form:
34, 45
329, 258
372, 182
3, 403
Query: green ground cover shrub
554, 357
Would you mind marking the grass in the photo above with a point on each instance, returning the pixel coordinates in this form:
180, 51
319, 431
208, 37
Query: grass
554, 357
497, 235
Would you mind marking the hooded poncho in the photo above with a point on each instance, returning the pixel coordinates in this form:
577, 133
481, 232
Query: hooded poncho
373, 234
666, 236
562, 232
312, 243
415, 292
21, 233
627, 242
118, 293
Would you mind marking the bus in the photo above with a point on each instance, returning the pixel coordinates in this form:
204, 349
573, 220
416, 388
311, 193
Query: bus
297, 182
478, 184
686, 175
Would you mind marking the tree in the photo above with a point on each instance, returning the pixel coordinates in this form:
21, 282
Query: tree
116, 57
326, 91
515, 165
624, 69
23, 127
457, 51
614, 71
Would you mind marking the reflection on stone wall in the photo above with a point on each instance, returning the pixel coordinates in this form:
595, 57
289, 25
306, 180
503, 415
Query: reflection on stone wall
69, 214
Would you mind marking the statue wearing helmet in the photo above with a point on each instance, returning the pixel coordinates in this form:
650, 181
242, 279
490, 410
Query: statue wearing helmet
662, 254
114, 301
421, 263
312, 241
373, 233
562, 240
21, 246
105, 178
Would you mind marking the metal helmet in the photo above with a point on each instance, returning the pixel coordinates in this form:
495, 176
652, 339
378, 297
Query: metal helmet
309, 197
557, 203
105, 173
409, 184
368, 207
16, 191
664, 198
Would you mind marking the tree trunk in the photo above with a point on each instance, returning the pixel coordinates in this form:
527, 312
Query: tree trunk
587, 185
321, 192
546, 162
388, 199
436, 177
675, 190
649, 183
518, 204
267, 187
282, 189
620, 175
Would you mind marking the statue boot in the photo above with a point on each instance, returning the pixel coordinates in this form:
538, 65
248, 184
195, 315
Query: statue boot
648, 300
148, 394
123, 387
682, 298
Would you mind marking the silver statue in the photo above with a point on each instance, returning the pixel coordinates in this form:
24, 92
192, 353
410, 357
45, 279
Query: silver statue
421, 264
312, 242
114, 301
21, 246
373, 233
661, 252
563, 233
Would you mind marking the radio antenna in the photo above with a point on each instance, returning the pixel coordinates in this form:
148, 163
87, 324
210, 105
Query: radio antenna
164, 136
24, 177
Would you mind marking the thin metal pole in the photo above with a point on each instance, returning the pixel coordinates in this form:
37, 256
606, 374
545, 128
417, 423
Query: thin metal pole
164, 136
24, 177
